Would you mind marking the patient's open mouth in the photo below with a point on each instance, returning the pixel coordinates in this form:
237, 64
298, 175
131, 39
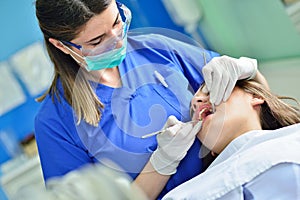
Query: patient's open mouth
204, 112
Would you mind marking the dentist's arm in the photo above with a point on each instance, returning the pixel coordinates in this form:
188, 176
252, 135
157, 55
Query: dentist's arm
151, 182
173, 145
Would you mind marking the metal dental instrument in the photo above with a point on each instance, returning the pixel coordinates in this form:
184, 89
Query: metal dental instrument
163, 130
213, 109
212, 105
154, 133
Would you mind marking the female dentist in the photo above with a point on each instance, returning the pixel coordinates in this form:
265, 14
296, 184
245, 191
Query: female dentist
110, 88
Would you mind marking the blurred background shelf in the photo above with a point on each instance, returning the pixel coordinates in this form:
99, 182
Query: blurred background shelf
21, 172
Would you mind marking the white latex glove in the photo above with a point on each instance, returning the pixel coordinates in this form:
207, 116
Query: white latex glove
221, 73
173, 145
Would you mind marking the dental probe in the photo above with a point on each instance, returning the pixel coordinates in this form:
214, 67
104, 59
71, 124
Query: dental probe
213, 108
161, 131
205, 62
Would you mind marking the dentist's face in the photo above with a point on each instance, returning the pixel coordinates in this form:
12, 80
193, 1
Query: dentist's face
230, 119
99, 30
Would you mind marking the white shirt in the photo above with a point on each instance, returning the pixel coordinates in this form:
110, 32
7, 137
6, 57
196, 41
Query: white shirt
256, 165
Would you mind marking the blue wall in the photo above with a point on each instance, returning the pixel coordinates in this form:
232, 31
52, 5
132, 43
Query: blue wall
150, 13
18, 26
19, 29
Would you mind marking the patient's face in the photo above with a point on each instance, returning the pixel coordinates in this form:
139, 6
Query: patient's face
231, 118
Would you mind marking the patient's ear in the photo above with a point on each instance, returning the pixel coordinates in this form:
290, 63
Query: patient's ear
257, 100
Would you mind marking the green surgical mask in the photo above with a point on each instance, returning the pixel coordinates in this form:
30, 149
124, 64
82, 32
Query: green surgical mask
108, 59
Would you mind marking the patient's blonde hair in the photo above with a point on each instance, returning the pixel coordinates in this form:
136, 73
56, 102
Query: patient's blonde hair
275, 112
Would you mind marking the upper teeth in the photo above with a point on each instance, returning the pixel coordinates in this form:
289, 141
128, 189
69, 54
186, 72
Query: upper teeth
201, 112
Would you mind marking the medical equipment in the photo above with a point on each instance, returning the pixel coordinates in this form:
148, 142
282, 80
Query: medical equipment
213, 108
212, 104
160, 78
163, 130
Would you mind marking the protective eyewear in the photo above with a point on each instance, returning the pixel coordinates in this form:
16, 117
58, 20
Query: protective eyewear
110, 43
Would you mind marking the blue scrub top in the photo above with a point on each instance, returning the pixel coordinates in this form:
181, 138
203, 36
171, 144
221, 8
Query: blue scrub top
141, 106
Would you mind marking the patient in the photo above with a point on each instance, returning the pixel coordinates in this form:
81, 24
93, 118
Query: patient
256, 136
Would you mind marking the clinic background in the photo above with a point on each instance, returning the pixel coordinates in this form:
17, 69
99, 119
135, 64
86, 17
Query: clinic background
267, 30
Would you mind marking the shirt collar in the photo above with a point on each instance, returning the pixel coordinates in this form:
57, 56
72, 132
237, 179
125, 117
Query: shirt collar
236, 145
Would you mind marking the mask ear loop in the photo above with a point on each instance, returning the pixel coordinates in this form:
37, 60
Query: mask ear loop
83, 64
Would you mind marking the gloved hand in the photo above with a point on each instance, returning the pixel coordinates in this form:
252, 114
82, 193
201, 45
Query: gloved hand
221, 74
173, 145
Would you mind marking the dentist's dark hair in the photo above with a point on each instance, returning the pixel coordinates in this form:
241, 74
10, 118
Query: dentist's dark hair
63, 20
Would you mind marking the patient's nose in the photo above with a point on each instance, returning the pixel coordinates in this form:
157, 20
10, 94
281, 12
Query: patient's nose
197, 101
